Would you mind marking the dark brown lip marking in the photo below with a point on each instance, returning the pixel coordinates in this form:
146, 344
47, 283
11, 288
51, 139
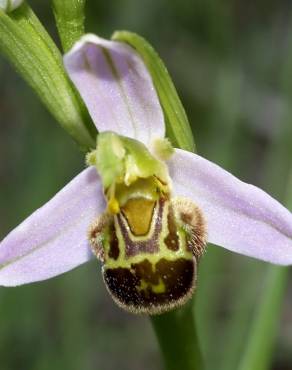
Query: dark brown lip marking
171, 240
114, 250
177, 276
144, 246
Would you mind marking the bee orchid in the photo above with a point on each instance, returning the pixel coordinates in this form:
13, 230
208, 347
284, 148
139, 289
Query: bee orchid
144, 209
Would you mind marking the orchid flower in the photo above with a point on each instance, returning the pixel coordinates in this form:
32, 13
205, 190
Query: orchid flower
144, 209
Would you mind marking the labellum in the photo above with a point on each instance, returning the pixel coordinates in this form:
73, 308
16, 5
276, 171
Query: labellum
148, 242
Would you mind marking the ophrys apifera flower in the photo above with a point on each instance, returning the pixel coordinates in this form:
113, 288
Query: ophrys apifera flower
144, 209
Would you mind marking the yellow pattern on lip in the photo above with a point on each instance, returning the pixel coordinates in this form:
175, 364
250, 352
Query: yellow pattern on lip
156, 288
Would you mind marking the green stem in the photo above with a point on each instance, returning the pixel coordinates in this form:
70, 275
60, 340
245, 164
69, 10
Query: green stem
177, 337
69, 15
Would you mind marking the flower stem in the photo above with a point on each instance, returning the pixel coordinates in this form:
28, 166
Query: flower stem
177, 337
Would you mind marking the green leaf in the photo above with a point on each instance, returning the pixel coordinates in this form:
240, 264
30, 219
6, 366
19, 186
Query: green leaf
177, 125
69, 15
27, 45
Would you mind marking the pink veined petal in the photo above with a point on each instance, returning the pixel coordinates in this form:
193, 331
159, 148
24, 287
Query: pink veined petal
240, 217
53, 239
116, 88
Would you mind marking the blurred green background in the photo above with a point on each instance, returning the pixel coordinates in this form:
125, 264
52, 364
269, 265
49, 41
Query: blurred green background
232, 64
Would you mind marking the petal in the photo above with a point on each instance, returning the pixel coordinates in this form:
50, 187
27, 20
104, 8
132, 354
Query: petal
116, 87
240, 217
53, 239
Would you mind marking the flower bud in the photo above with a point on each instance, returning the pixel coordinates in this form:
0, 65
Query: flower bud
9, 5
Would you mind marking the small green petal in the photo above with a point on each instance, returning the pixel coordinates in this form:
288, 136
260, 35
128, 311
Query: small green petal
110, 155
121, 160
140, 163
126, 167
163, 149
